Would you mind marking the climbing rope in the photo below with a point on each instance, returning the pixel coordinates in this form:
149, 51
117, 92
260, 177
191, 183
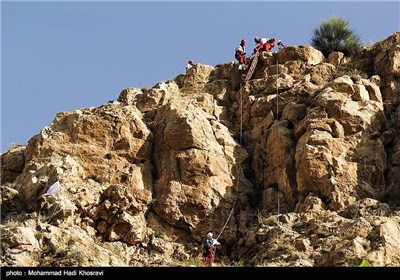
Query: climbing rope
230, 214
247, 78
277, 91
239, 169
233, 207
241, 109
277, 110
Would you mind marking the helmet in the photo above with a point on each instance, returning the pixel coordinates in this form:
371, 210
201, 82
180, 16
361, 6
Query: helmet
257, 39
209, 235
243, 42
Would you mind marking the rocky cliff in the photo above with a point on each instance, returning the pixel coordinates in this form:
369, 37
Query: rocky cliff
300, 166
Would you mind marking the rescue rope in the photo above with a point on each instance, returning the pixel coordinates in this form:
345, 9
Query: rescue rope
241, 110
277, 92
277, 110
241, 136
247, 78
233, 207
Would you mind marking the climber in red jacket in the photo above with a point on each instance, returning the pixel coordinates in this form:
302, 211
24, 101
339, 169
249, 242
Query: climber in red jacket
270, 44
263, 44
260, 42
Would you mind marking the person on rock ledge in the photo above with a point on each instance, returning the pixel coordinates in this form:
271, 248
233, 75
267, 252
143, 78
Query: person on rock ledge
240, 55
189, 65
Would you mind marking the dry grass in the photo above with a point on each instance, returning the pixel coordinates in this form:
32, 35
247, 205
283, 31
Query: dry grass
12, 223
353, 73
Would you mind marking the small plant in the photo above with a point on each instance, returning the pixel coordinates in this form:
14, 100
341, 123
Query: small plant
365, 263
11, 223
158, 233
7, 184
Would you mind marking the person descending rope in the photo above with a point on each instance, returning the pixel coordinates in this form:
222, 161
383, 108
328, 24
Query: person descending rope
208, 249
240, 54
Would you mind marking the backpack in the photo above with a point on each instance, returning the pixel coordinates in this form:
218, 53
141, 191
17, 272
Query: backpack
208, 244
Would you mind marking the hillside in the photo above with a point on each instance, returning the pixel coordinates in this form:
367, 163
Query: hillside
300, 166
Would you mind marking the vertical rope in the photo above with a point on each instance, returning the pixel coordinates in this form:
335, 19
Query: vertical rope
277, 92
241, 116
277, 110
239, 169
241, 106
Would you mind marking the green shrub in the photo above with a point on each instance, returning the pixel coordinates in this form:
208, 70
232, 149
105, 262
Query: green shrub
334, 35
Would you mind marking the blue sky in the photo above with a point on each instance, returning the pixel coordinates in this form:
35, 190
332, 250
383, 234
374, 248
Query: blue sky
60, 56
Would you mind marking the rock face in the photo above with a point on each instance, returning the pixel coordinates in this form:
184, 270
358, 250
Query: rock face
12, 164
297, 167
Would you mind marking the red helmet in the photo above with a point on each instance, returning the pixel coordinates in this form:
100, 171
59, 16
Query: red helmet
243, 42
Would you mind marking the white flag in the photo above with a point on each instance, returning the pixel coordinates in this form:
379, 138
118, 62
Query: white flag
55, 188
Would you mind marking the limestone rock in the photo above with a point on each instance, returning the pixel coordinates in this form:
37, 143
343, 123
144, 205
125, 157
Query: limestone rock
335, 58
304, 53
12, 164
386, 63
197, 77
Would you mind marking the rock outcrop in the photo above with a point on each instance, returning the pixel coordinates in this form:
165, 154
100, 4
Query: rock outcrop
300, 166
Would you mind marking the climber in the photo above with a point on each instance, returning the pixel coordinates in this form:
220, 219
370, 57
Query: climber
281, 45
189, 65
208, 249
268, 45
240, 54
259, 44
